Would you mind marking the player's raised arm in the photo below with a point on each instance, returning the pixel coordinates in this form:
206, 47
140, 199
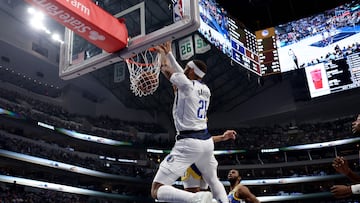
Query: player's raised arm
169, 64
171, 58
167, 51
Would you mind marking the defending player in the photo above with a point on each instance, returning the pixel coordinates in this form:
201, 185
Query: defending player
239, 193
193, 142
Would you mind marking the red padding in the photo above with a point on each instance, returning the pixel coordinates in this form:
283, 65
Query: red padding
87, 20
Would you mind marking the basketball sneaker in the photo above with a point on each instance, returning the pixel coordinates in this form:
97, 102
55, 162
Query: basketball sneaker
202, 197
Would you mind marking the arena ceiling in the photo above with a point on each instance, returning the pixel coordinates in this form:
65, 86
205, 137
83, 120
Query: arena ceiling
231, 84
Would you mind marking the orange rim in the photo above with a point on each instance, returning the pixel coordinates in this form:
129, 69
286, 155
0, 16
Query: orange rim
139, 64
129, 60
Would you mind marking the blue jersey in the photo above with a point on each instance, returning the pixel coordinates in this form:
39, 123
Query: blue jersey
233, 199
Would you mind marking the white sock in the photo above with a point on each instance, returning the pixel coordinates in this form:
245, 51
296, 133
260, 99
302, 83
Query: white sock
167, 193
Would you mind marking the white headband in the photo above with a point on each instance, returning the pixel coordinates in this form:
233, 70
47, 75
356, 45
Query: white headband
197, 70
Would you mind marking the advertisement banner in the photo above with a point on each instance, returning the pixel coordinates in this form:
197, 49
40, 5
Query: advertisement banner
87, 20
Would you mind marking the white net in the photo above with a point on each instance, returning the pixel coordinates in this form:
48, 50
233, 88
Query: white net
144, 69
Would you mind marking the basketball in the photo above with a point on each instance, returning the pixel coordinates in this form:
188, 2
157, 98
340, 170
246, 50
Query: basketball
148, 81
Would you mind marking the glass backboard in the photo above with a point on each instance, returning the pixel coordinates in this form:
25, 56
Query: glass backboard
149, 23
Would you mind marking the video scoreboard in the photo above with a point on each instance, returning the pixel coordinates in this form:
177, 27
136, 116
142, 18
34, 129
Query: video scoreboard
229, 36
268, 52
243, 47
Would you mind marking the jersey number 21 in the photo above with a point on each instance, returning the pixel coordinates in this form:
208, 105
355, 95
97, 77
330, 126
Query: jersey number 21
201, 112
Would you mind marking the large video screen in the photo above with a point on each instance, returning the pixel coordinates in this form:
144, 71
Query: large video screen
318, 38
268, 54
228, 35
214, 25
326, 46
335, 75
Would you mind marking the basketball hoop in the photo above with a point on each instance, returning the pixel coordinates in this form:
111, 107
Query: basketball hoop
144, 69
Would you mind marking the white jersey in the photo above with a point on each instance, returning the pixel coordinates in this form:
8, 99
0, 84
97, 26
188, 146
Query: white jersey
191, 103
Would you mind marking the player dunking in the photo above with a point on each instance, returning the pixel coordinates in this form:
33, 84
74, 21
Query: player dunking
193, 142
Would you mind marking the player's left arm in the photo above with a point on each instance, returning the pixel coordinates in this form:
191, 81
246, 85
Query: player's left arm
227, 135
243, 192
